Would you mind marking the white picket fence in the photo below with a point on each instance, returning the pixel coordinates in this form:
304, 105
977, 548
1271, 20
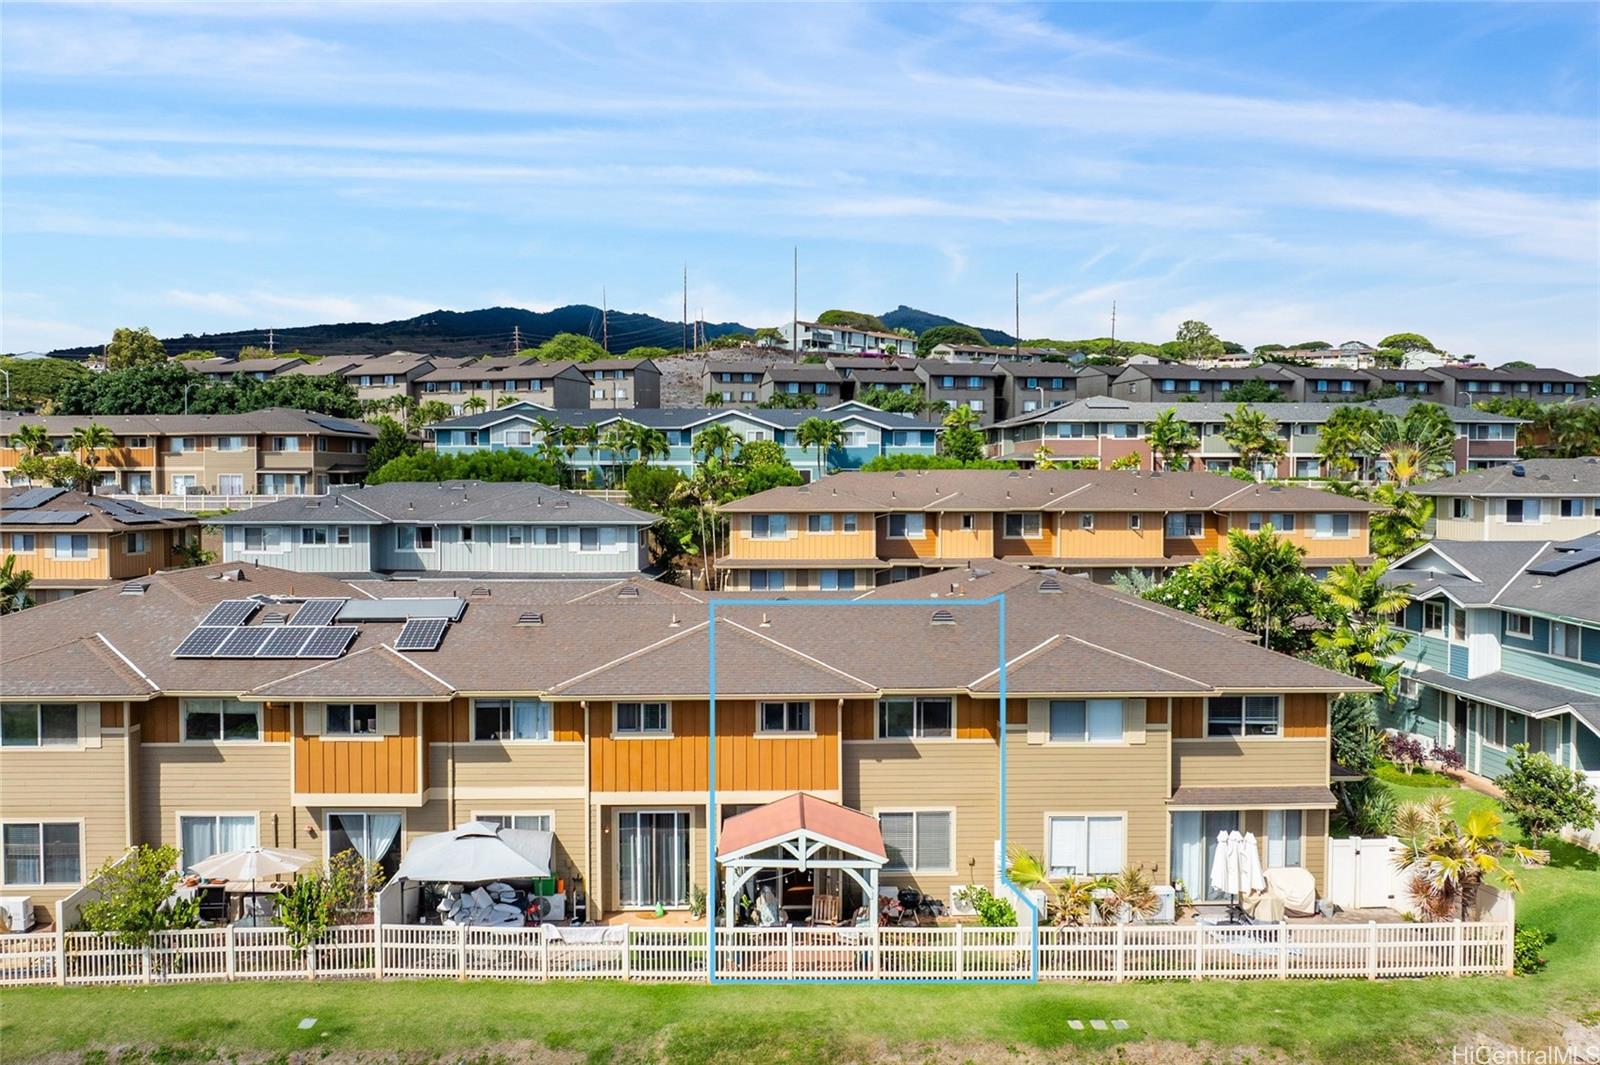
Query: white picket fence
1113, 953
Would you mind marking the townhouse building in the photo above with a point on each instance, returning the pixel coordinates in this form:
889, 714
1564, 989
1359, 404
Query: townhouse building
735, 384
1533, 499
868, 433
1503, 648
495, 382
1416, 383
468, 528
256, 369
1027, 387
379, 377
621, 384
976, 386
198, 709
821, 383
991, 353
1107, 428
1312, 384
810, 336
1473, 384
69, 542
857, 530
848, 365
276, 451
858, 381
1154, 382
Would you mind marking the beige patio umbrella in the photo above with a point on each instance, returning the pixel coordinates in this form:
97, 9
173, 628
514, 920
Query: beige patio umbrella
251, 863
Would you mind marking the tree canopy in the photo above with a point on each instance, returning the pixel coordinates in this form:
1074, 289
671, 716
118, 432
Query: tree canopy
134, 347
889, 463
947, 334
37, 382
852, 320
1407, 342
650, 351
159, 388
1195, 340
432, 467
574, 347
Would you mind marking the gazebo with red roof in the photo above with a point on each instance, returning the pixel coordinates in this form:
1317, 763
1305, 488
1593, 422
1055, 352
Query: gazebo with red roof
799, 832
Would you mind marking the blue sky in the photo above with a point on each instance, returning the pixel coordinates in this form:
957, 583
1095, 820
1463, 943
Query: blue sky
1284, 172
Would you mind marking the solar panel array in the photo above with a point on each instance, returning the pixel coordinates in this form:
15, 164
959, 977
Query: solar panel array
329, 641
202, 642
45, 517
286, 642
1563, 562
231, 612
421, 634
318, 612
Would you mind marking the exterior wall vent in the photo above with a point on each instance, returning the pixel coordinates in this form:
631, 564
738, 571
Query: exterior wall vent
943, 617
532, 617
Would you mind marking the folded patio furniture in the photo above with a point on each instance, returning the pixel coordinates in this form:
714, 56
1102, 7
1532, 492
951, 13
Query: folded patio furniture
1295, 887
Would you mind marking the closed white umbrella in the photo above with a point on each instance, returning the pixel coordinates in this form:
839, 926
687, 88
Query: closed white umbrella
1225, 866
1252, 876
477, 852
251, 863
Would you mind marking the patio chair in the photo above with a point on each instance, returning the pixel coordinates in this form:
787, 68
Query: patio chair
825, 911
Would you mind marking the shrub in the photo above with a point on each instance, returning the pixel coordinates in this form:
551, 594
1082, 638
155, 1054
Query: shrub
1372, 807
993, 911
133, 896
1542, 796
1449, 759
317, 900
1528, 950
1403, 750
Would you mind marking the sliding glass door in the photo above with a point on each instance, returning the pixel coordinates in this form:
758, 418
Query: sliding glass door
653, 858
1194, 845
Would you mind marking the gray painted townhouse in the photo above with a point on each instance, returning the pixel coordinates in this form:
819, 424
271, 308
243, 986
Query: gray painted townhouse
1324, 384
621, 384
821, 382
461, 528
549, 384
736, 384
1469, 384
1029, 386
975, 385
221, 369
1418, 383
1504, 648
1154, 382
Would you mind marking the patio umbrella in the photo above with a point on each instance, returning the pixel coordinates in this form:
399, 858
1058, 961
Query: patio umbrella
251, 863
476, 852
1224, 866
1251, 876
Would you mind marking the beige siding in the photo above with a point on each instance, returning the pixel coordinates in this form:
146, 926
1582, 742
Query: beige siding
568, 855
1131, 779
220, 778
74, 784
496, 767
958, 775
603, 890
1249, 763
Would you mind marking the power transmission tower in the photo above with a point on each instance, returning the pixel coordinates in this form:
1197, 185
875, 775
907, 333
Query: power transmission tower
1113, 350
686, 308
516, 339
1017, 310
272, 346
605, 322
794, 323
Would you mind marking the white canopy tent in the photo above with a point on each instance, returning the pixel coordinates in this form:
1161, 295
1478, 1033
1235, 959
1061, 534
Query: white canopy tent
477, 852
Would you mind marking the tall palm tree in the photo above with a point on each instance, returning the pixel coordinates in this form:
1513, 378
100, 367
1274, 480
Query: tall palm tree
961, 418
14, 594
587, 436
650, 444
716, 442
550, 434
823, 434
1172, 438
1253, 435
619, 440
1360, 590
32, 440
1448, 861
88, 441
1412, 448
1266, 575
474, 405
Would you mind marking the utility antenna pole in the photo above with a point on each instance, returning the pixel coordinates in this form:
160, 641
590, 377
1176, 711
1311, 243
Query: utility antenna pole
1113, 350
686, 308
794, 323
272, 345
605, 322
1017, 310
516, 339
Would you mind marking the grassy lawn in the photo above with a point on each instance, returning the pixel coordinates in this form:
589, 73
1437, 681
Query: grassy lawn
1332, 1021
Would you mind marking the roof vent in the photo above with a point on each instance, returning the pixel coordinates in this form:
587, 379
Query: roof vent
1519, 470
943, 617
231, 575
628, 592
481, 592
275, 618
1049, 584
766, 621
312, 503
135, 588
532, 617
562, 504
674, 623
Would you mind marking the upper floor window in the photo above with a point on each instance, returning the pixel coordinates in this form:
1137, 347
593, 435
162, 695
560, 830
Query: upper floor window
1573, 508
1566, 640
1461, 508
1069, 430
1433, 616
510, 719
230, 443
414, 537
1519, 625
1024, 526
906, 526
1331, 526
769, 526
72, 545
1186, 524
1521, 511
1086, 721
350, 719
847, 522
790, 717
1458, 624
1279, 522
1248, 715
314, 536
38, 724
221, 720
642, 719
286, 443
135, 543
1123, 430
819, 523
922, 718
23, 543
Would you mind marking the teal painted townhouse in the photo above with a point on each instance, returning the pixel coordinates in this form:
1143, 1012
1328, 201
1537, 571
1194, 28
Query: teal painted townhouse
868, 433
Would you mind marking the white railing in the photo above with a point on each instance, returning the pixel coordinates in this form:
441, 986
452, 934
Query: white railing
205, 502
1114, 953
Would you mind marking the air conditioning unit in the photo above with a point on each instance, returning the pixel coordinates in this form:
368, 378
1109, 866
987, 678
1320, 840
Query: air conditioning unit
17, 911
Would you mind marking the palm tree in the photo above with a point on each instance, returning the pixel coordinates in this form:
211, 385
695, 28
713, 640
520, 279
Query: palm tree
961, 418
1171, 439
1266, 574
1448, 861
587, 436
1360, 590
716, 442
713, 399
1404, 525
1412, 448
474, 404
619, 440
14, 594
1253, 435
433, 410
651, 444
506, 401
823, 434
550, 433
88, 441
1043, 458
32, 440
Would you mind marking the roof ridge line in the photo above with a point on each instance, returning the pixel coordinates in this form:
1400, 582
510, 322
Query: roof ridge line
127, 661
419, 667
802, 655
1495, 598
1140, 661
556, 688
1024, 656
313, 669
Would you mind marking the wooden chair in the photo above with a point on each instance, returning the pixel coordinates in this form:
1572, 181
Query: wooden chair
825, 910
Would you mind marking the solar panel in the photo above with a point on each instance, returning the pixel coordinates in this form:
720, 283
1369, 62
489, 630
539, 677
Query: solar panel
423, 634
329, 641
243, 642
202, 641
231, 612
31, 498
285, 642
318, 611
1562, 563
44, 517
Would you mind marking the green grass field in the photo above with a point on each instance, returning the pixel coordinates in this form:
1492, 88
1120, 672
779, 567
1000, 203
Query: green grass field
1321, 1021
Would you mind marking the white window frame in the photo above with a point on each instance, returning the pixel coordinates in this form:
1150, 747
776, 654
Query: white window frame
1440, 607
72, 554
184, 706
1286, 830
771, 526
181, 816
787, 708
914, 866
1245, 715
823, 524
24, 543
1565, 635
1086, 522
416, 537
1091, 707
1519, 625
907, 519
509, 817
40, 823
309, 536
664, 732
136, 543
349, 733
509, 716
1185, 517
40, 743
848, 521
919, 728
1090, 870
1022, 522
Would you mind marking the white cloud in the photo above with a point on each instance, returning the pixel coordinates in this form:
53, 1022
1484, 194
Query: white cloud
257, 307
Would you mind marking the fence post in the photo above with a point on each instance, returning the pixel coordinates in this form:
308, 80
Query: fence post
1372, 950
61, 955
145, 964
961, 946
627, 952
788, 950
876, 946
544, 952
1457, 947
311, 960
377, 951
1283, 951
1121, 941
1199, 951
231, 948
1508, 944
461, 952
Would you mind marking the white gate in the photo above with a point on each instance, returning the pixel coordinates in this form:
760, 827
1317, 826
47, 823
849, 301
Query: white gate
1362, 873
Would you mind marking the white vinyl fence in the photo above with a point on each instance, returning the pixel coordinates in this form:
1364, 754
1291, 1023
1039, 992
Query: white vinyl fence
1112, 953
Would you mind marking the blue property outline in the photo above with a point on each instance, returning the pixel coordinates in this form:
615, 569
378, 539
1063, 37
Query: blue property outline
711, 782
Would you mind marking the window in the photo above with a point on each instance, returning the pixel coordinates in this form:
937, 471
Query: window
414, 537
917, 841
1169, 385
38, 724
220, 720
260, 537
286, 443
350, 719
1566, 640
906, 526
785, 718
769, 526
1458, 624
819, 523
1284, 833
766, 580
588, 538
923, 718
1249, 715
1085, 846
230, 443
515, 535
374, 836
1461, 508
42, 853
341, 535
652, 858
177, 445
72, 545
1519, 625
1433, 617
837, 580
1330, 526
468, 534
1520, 511
23, 543
1122, 430
1573, 508
1493, 722
642, 719
204, 835
135, 543
1023, 526
1069, 431
519, 438
510, 719
1186, 524
519, 822
969, 522
1086, 721
313, 536
1086, 522
1135, 522
546, 536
